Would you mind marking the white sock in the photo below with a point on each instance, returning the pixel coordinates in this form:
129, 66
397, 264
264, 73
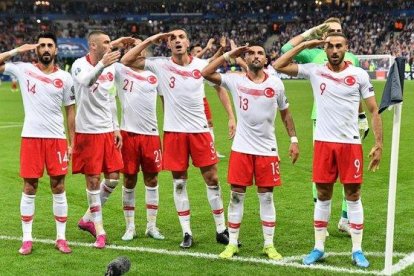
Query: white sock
106, 188
211, 129
151, 201
216, 204
320, 223
60, 211
182, 204
235, 215
268, 217
356, 221
27, 209
128, 202
95, 209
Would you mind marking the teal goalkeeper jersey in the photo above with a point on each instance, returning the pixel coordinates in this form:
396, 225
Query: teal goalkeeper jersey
317, 56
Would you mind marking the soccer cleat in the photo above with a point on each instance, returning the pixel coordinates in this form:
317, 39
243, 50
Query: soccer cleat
271, 252
26, 248
129, 235
223, 237
187, 241
313, 257
62, 246
343, 226
100, 241
154, 233
359, 259
229, 251
87, 226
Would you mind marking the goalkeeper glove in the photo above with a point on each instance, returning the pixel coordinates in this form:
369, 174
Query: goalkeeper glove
315, 32
363, 125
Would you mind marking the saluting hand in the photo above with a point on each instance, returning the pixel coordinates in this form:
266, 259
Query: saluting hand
110, 58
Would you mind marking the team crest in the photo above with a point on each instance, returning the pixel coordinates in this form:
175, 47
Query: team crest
152, 79
196, 74
110, 76
269, 92
58, 83
349, 80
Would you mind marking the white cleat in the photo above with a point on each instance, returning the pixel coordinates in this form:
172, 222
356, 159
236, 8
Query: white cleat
129, 235
154, 233
219, 155
343, 226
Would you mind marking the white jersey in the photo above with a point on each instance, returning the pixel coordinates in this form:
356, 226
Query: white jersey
337, 96
43, 96
137, 92
93, 103
183, 90
256, 106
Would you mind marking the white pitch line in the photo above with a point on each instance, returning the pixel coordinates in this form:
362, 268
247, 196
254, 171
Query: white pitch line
10, 126
10, 123
286, 262
403, 263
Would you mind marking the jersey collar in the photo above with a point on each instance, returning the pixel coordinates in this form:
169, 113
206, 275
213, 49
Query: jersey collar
55, 68
190, 56
265, 78
347, 63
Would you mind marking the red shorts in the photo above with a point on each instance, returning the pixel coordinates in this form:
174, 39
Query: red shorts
179, 146
243, 166
333, 159
141, 150
35, 153
207, 110
95, 153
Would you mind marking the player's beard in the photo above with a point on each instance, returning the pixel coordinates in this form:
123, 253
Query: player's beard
336, 60
255, 66
46, 58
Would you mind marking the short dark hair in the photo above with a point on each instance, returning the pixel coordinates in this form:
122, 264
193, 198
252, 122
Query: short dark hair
96, 32
50, 35
256, 43
193, 46
336, 34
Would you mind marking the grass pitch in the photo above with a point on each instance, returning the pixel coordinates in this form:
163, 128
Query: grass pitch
294, 206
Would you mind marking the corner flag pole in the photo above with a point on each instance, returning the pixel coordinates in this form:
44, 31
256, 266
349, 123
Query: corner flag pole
393, 96
392, 190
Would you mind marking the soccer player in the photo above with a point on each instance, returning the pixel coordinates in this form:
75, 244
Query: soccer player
317, 55
97, 138
256, 97
197, 51
337, 87
186, 130
137, 91
45, 88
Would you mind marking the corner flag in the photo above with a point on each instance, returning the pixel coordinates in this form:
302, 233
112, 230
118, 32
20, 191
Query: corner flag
393, 96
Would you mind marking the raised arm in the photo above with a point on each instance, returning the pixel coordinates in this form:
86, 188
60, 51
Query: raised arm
9, 54
306, 55
88, 78
287, 120
133, 57
284, 63
207, 48
376, 122
209, 72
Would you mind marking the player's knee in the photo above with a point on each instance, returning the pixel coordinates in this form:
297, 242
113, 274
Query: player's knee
151, 181
212, 180
111, 183
30, 186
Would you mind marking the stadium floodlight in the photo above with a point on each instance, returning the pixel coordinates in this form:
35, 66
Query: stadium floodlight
393, 96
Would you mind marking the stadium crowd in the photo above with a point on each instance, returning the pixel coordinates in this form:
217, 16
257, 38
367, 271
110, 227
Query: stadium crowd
238, 20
